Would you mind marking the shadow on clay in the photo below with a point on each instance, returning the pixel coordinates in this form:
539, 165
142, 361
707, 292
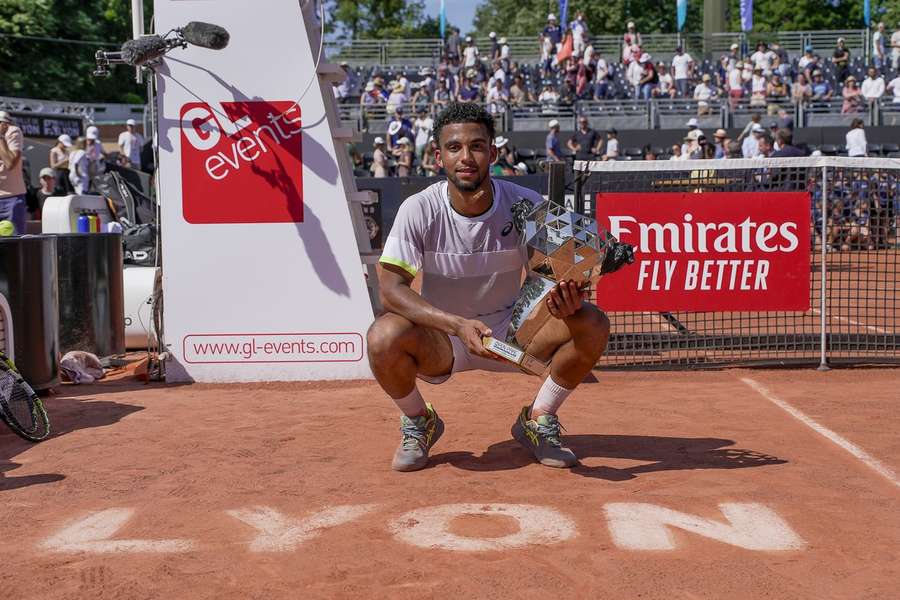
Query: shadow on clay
658, 454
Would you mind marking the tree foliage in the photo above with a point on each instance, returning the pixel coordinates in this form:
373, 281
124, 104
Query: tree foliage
63, 71
381, 19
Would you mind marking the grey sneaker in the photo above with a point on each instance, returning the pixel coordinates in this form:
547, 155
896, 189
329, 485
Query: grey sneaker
541, 438
419, 435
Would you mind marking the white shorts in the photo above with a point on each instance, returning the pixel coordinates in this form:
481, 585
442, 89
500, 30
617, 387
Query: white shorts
463, 360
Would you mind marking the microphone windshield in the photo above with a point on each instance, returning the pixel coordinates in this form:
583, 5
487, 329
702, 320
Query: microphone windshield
205, 35
142, 50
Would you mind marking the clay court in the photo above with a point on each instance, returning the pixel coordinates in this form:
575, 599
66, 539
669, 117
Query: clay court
692, 485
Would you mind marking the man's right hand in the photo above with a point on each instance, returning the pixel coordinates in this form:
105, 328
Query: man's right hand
470, 332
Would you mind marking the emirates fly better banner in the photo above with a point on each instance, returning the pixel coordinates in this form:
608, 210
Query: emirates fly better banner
716, 251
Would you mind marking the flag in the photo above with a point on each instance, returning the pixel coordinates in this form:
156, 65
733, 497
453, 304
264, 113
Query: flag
563, 10
867, 12
443, 18
746, 15
681, 13
567, 48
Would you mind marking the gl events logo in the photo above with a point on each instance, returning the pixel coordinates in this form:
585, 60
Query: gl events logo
241, 162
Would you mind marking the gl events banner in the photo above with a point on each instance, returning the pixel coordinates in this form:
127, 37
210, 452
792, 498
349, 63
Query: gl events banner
715, 251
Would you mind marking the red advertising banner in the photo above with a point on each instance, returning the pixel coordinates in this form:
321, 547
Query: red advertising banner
715, 251
241, 162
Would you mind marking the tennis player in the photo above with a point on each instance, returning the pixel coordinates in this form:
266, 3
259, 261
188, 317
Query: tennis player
459, 234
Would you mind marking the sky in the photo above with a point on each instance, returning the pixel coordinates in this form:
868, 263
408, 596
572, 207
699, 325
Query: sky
459, 12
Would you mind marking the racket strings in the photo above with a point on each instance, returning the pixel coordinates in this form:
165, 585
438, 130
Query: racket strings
18, 400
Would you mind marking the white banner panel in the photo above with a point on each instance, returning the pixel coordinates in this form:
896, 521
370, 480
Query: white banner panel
261, 272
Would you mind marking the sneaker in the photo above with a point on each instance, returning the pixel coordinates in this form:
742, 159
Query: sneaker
541, 438
419, 435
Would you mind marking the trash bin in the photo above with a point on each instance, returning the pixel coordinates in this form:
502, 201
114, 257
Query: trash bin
91, 293
29, 286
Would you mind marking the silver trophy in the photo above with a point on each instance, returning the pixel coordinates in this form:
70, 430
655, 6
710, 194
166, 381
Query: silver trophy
562, 246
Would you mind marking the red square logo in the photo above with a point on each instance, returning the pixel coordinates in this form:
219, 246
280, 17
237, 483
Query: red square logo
241, 162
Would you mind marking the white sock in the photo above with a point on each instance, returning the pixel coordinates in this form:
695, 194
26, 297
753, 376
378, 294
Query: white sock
412, 404
550, 397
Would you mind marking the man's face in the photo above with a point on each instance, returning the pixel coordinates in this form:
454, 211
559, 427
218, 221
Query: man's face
583, 123
3, 127
465, 152
764, 146
872, 72
47, 181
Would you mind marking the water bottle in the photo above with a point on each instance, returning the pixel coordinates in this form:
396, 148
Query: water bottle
92, 221
84, 223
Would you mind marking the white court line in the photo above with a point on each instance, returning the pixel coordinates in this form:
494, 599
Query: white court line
816, 311
866, 458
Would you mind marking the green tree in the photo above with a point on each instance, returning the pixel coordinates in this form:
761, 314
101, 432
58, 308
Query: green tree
63, 71
381, 19
800, 15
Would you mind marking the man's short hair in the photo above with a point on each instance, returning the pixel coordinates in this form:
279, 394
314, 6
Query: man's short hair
463, 112
768, 139
734, 150
784, 137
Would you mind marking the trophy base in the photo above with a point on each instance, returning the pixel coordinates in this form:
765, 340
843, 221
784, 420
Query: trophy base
525, 361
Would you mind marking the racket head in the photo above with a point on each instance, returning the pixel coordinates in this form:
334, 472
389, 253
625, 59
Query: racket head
21, 407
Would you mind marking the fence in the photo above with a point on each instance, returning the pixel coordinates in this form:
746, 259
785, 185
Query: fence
854, 304
661, 45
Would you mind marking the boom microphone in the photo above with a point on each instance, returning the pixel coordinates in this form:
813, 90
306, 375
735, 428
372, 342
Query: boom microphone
143, 50
205, 35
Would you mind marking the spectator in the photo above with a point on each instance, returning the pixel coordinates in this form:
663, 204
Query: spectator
735, 84
345, 88
750, 147
676, 152
703, 93
786, 147
497, 98
470, 53
59, 161
453, 45
421, 99
579, 34
505, 163
695, 141
682, 70
612, 144
802, 91
379, 159
782, 62
469, 90
733, 57
766, 144
650, 153
549, 98
755, 119
632, 35
601, 77
430, 167
649, 81
733, 150
130, 143
584, 81
856, 139
777, 92
553, 33
566, 93
721, 141
630, 51
841, 59
873, 86
758, 86
397, 97
95, 152
821, 89
666, 87
518, 93
442, 96
894, 87
585, 142
878, 50
12, 178
633, 74
852, 95
809, 62
554, 151
692, 125
895, 49
423, 127
398, 128
48, 188
763, 58
495, 46
785, 121
79, 172
547, 54
404, 157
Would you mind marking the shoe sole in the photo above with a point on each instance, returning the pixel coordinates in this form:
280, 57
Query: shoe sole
422, 462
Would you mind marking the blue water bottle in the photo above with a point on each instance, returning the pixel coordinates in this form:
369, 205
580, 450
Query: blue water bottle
84, 223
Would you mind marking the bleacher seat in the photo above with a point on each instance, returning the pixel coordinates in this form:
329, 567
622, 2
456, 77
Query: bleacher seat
829, 149
873, 149
634, 153
889, 148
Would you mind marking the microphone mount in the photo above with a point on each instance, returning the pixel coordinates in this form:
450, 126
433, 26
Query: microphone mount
171, 40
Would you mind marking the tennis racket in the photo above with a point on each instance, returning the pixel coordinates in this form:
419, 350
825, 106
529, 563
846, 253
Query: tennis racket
20, 407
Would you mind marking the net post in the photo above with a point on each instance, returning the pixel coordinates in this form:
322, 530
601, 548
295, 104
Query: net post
579, 191
823, 275
557, 186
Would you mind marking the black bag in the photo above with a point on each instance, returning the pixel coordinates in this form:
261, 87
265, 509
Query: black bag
140, 245
130, 204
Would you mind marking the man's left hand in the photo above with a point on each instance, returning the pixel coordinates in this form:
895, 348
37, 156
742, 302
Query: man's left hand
564, 299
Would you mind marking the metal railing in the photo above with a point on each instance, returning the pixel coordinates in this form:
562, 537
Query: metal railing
829, 113
660, 45
674, 113
98, 113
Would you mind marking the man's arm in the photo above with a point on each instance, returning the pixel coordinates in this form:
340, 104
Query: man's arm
397, 297
574, 147
9, 156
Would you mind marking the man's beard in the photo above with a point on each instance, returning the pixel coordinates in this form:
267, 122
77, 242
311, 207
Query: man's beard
465, 186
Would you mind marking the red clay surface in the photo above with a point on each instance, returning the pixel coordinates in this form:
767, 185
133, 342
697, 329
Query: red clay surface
181, 456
